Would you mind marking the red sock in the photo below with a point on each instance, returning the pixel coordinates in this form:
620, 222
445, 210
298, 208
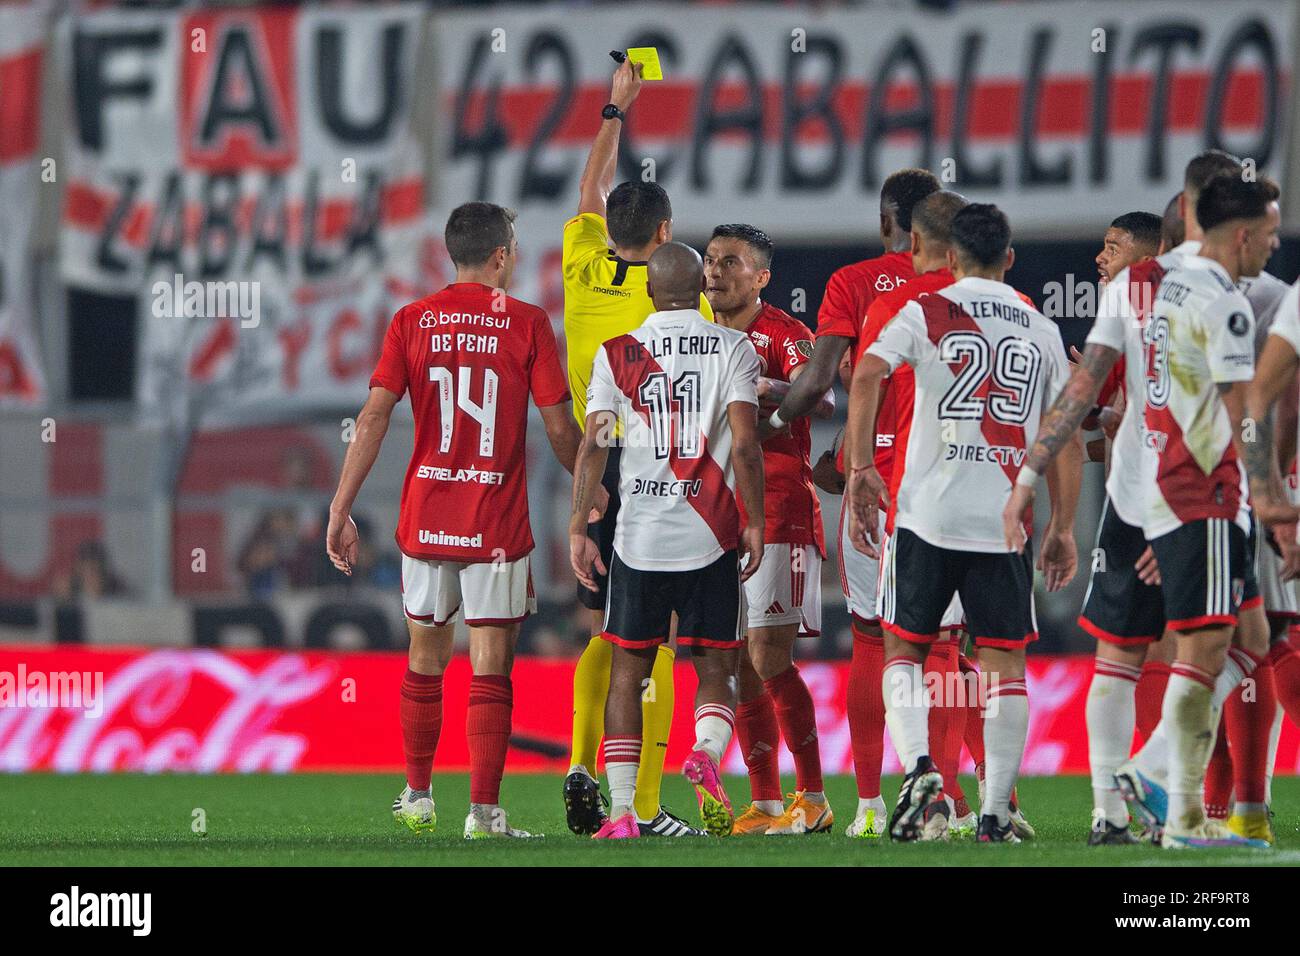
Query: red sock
866, 710
759, 735
972, 725
798, 719
487, 732
1286, 678
1249, 724
1150, 697
420, 713
1218, 778
947, 719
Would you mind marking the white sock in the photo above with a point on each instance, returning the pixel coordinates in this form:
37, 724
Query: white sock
713, 726
814, 796
1273, 736
907, 711
622, 757
1006, 726
1153, 758
773, 808
1191, 716
1111, 715
870, 803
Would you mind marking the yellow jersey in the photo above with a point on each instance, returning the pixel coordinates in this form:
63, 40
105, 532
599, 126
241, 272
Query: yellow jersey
604, 297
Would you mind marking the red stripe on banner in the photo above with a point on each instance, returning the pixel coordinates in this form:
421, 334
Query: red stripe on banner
20, 105
225, 710
666, 110
716, 504
88, 207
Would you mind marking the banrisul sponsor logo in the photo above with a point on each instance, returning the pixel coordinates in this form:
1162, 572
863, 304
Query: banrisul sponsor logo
78, 908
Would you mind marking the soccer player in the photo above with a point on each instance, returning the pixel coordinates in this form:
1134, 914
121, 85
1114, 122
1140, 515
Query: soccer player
931, 241
1131, 238
849, 295
1192, 504
1123, 608
1172, 231
470, 355
604, 297
683, 393
986, 366
783, 599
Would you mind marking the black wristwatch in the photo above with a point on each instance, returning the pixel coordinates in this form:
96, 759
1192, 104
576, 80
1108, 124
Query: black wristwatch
613, 112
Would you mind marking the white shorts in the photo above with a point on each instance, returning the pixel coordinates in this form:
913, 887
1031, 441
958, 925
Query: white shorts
786, 589
1279, 596
485, 593
859, 574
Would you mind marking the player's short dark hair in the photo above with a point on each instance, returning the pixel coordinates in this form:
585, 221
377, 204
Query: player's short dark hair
477, 229
1144, 227
633, 212
1203, 167
757, 240
903, 190
932, 216
981, 234
1172, 229
1230, 197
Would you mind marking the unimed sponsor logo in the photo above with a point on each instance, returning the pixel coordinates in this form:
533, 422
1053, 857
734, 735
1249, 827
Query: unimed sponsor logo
451, 540
76, 909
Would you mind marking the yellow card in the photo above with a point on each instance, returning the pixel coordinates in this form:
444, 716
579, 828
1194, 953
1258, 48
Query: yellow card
648, 57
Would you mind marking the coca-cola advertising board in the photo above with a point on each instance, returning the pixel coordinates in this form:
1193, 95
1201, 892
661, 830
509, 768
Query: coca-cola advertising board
73, 710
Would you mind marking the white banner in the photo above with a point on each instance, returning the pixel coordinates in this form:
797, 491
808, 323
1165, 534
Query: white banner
1065, 115
22, 60
252, 179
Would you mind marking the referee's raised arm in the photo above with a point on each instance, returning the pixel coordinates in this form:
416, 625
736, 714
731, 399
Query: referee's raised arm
598, 176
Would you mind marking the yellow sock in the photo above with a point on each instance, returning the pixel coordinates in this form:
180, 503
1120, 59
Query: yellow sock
656, 722
590, 688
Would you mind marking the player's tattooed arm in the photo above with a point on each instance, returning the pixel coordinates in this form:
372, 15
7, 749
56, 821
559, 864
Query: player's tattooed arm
1250, 407
1071, 407
589, 468
372, 425
811, 385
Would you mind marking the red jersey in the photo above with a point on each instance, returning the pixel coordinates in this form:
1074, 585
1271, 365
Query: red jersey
894, 415
791, 512
470, 369
849, 295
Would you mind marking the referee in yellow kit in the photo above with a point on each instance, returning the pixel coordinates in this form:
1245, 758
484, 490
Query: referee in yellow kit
605, 297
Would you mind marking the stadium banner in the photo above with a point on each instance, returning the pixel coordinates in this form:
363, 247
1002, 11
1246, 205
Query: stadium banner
23, 51
67, 709
1065, 115
252, 179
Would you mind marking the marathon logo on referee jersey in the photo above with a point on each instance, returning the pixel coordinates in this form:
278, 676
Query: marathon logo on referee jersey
667, 489
997, 454
471, 475
451, 540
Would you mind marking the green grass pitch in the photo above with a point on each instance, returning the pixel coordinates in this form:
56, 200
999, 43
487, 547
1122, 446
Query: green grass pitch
344, 819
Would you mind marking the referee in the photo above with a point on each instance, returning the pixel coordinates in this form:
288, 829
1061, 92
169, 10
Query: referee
605, 297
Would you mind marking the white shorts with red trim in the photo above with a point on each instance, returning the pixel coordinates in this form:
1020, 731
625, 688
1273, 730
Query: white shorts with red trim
484, 594
859, 574
786, 589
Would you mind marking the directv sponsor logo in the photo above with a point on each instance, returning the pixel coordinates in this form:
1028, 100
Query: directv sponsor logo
451, 540
472, 475
998, 454
667, 489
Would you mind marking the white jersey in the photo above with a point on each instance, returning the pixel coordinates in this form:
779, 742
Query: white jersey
670, 382
1286, 326
1264, 292
987, 365
1200, 335
1124, 307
